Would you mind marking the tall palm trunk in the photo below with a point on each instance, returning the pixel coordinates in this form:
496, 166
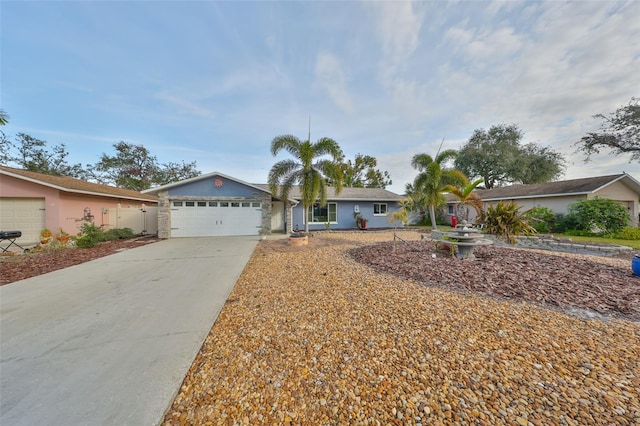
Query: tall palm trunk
432, 213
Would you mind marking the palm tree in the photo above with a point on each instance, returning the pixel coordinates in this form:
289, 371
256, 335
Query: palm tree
311, 176
432, 178
4, 117
466, 196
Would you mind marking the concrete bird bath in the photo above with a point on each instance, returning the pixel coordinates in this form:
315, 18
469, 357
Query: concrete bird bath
465, 238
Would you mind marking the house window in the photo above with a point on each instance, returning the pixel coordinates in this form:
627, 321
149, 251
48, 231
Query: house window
202, 204
246, 204
318, 214
224, 204
258, 205
235, 204
379, 209
190, 203
213, 204
177, 204
451, 212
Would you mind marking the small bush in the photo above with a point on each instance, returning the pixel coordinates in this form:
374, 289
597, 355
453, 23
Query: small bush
91, 235
541, 218
119, 234
627, 233
564, 222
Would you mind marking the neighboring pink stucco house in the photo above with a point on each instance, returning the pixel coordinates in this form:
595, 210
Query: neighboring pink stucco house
30, 202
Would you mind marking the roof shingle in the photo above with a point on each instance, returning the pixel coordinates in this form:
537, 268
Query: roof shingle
348, 194
564, 187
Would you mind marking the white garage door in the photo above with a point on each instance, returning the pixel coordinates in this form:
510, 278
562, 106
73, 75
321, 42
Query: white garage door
215, 218
26, 215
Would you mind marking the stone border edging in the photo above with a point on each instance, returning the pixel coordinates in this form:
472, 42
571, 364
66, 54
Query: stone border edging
541, 243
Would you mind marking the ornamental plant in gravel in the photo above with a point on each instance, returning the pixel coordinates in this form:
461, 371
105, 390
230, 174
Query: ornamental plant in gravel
505, 220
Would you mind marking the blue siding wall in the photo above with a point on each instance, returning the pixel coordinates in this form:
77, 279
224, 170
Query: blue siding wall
345, 216
207, 188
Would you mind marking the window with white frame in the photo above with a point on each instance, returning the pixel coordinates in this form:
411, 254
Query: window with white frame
318, 214
451, 211
379, 209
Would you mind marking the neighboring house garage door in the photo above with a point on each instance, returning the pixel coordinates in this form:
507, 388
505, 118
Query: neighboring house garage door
26, 215
215, 218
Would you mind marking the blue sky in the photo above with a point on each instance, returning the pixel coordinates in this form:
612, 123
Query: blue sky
215, 82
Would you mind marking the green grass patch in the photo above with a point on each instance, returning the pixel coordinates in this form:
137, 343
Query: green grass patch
635, 244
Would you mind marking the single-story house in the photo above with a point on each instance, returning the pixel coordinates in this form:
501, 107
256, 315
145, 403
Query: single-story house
373, 204
30, 202
218, 205
557, 196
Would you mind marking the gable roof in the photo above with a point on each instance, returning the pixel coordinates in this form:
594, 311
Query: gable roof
558, 189
77, 186
201, 177
349, 194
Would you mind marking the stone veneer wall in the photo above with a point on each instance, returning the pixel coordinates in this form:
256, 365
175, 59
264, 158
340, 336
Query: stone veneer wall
541, 243
288, 209
567, 246
266, 213
164, 215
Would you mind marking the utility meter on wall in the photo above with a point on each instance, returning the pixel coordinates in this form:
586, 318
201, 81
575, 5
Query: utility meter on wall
356, 209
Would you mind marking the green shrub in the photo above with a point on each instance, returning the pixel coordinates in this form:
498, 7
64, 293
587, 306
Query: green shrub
541, 218
564, 222
91, 235
627, 233
119, 234
599, 215
506, 221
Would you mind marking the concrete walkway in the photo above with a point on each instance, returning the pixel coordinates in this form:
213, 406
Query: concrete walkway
109, 342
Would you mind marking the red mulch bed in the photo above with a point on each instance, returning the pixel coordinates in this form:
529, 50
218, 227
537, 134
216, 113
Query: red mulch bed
577, 285
21, 266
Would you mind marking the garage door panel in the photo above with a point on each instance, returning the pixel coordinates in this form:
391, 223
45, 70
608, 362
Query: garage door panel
215, 220
26, 215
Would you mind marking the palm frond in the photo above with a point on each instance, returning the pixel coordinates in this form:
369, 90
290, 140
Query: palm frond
421, 161
289, 143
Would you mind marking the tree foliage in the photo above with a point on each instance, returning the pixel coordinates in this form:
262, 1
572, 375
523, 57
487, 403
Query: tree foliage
133, 167
497, 157
432, 177
538, 164
309, 168
619, 132
362, 173
29, 153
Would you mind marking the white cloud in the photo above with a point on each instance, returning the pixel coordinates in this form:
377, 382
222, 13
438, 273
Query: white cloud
330, 76
398, 26
480, 48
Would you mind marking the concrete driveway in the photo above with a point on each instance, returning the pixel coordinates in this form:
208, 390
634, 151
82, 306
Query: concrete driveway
109, 342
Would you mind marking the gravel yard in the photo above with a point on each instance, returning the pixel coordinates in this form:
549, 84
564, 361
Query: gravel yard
311, 336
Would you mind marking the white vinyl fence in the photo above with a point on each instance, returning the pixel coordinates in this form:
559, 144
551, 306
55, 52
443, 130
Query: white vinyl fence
142, 221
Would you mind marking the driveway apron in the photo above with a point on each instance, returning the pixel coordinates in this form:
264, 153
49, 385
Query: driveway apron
109, 342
